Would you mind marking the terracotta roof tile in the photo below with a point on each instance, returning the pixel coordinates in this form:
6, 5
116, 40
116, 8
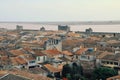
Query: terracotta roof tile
52, 68
1, 38
3, 53
67, 53
113, 41
95, 38
29, 57
114, 57
60, 66
28, 49
4, 58
80, 51
17, 52
101, 55
72, 41
2, 73
114, 78
52, 52
37, 53
28, 75
71, 34
18, 60
13, 77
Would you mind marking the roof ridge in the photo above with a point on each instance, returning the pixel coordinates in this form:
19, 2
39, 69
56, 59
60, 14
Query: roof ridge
4, 75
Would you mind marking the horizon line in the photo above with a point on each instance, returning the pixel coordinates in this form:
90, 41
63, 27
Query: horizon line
69, 21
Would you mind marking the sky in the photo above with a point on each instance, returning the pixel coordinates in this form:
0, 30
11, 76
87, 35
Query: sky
59, 10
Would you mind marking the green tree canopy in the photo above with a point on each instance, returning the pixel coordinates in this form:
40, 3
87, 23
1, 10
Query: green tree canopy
103, 73
72, 71
66, 70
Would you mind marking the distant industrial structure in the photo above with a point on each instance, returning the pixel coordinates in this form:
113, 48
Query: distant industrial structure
42, 29
89, 30
64, 28
19, 28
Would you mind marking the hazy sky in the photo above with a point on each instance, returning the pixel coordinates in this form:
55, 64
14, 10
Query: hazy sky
59, 10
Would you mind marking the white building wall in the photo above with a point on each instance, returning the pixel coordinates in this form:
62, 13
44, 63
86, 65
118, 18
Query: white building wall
32, 63
41, 59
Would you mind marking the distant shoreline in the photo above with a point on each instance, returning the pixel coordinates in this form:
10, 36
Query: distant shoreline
71, 22
74, 26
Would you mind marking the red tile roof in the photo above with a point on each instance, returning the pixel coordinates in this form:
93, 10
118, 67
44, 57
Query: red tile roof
29, 57
28, 75
28, 49
114, 78
2, 73
104, 54
67, 53
52, 68
80, 51
18, 60
1, 38
53, 52
17, 52
37, 53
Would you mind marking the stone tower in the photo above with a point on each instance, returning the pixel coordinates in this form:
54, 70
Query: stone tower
19, 28
64, 28
53, 43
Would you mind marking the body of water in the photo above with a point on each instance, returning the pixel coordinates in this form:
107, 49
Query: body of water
73, 27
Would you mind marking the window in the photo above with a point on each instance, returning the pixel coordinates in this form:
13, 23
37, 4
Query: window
76, 57
111, 62
31, 62
44, 58
107, 62
88, 57
84, 57
115, 63
103, 62
38, 58
57, 41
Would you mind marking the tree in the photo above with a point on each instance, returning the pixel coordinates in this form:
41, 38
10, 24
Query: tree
66, 70
83, 78
103, 73
68, 76
77, 69
103, 36
72, 72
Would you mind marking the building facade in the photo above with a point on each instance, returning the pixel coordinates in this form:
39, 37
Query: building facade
64, 28
18, 27
53, 43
